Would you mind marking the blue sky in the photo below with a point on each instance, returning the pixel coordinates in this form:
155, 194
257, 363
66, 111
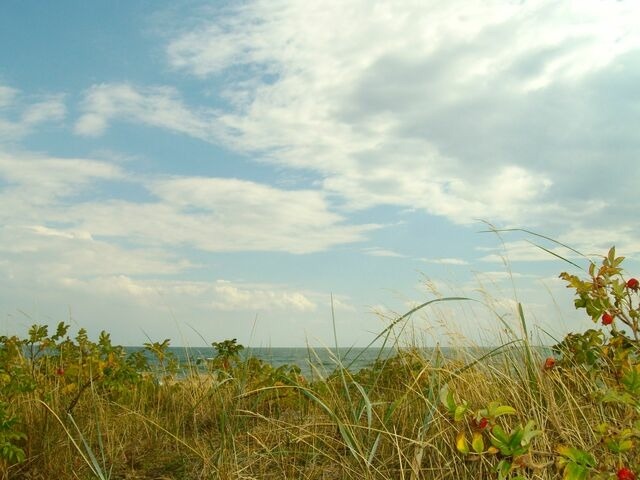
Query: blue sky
218, 170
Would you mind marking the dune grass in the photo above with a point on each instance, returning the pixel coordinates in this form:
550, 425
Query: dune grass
384, 422
74, 408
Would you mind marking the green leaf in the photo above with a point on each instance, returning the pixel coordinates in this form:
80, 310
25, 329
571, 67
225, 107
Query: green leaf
504, 467
515, 440
619, 446
61, 331
594, 311
573, 471
631, 380
577, 456
504, 410
580, 302
500, 440
619, 288
446, 397
37, 333
459, 412
494, 410
615, 396
477, 443
529, 433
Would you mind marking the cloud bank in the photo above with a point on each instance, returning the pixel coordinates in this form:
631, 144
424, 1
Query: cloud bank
502, 111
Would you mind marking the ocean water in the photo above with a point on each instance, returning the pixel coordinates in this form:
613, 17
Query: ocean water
312, 362
319, 361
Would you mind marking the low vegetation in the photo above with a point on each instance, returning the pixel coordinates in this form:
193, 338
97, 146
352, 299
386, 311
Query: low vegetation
71, 407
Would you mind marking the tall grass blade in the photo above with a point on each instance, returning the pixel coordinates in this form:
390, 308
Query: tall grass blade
545, 237
95, 465
529, 361
87, 455
374, 449
402, 317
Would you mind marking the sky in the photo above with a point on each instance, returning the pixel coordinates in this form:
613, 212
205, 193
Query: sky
290, 172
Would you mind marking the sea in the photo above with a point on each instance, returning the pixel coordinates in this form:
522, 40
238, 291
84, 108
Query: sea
315, 362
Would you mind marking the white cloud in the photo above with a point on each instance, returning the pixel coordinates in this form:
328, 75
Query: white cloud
506, 195
19, 118
44, 254
38, 185
446, 261
117, 285
498, 276
52, 108
217, 214
592, 243
135, 309
51, 232
60, 244
231, 296
7, 95
52, 174
416, 105
154, 106
226, 45
595, 241
57, 237
220, 295
382, 252
466, 110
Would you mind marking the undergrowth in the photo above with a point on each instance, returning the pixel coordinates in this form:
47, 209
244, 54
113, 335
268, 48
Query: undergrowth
71, 407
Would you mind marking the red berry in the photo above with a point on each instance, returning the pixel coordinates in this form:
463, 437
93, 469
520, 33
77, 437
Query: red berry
625, 474
633, 283
483, 423
549, 363
607, 319
60, 371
